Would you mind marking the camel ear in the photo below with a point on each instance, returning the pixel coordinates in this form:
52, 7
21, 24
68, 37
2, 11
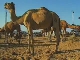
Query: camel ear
12, 3
6, 3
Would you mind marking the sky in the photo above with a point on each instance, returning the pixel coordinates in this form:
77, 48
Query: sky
64, 8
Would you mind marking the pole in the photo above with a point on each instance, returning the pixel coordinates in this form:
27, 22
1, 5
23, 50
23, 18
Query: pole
6, 17
6, 37
73, 17
73, 20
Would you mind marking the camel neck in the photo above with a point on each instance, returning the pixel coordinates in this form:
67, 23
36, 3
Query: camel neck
20, 20
13, 15
14, 18
70, 26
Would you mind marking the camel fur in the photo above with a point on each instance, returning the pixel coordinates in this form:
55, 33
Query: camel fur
34, 19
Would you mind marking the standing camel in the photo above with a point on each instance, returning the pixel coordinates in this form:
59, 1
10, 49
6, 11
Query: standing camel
63, 26
9, 27
34, 19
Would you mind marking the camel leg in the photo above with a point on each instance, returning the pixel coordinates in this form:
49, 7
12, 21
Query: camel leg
19, 37
31, 41
53, 34
64, 35
18, 31
44, 34
57, 33
6, 37
49, 35
57, 38
11, 35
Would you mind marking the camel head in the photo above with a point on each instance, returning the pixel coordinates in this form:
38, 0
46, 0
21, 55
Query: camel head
9, 6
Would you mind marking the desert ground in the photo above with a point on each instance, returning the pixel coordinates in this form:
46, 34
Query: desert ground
69, 49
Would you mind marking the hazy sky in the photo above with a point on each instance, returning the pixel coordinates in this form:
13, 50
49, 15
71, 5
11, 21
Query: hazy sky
63, 8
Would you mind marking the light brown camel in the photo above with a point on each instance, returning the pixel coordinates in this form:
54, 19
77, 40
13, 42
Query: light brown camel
9, 27
65, 25
34, 19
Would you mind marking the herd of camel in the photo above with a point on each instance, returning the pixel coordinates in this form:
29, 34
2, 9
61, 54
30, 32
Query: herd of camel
34, 19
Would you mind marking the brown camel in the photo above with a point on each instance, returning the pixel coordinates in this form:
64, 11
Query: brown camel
34, 19
9, 27
63, 25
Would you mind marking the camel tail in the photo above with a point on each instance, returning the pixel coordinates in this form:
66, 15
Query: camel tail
59, 24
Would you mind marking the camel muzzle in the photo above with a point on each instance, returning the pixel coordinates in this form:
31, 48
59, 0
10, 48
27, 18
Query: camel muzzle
5, 5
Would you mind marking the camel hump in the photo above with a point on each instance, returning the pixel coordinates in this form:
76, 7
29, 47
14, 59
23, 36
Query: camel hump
41, 15
44, 8
39, 9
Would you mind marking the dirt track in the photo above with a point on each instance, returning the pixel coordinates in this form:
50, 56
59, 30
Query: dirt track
44, 50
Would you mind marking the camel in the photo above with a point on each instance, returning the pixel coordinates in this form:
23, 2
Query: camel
35, 19
9, 27
63, 25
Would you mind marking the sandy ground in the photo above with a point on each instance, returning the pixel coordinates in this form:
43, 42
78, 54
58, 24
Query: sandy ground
69, 49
